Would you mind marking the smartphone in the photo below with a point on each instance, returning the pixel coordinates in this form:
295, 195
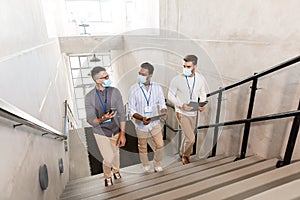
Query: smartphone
112, 110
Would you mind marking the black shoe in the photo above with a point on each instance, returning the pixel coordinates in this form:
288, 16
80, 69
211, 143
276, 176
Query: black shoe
108, 182
117, 175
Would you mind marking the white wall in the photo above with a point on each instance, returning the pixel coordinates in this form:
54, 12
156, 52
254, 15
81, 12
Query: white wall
242, 38
33, 78
233, 40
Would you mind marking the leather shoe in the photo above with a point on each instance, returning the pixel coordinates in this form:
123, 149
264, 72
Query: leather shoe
117, 175
108, 182
185, 160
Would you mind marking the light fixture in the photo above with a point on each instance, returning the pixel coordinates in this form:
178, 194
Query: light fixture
94, 59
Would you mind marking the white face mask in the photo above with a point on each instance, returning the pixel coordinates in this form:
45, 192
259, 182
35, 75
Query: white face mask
142, 79
106, 83
187, 72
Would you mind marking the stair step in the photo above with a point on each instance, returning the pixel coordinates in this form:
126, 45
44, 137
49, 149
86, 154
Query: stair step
257, 184
134, 183
287, 191
216, 182
177, 180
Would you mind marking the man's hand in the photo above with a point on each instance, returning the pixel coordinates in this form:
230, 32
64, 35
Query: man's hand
121, 140
201, 108
165, 117
186, 107
108, 115
145, 121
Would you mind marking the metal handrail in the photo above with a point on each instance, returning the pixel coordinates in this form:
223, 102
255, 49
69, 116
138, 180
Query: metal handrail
254, 119
249, 119
13, 113
258, 75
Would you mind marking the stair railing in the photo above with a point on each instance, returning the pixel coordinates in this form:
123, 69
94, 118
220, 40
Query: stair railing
13, 113
249, 119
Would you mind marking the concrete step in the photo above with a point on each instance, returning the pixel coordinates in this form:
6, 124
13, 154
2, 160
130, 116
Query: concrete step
96, 188
210, 184
176, 180
287, 191
254, 185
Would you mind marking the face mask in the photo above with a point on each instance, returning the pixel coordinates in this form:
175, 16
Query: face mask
187, 72
106, 83
142, 79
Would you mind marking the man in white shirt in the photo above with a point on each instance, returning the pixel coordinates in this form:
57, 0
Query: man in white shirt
146, 99
185, 88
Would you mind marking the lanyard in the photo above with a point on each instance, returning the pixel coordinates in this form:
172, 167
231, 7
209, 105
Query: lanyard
101, 102
147, 99
187, 82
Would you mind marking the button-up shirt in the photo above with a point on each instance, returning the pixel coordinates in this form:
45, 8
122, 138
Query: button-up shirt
141, 97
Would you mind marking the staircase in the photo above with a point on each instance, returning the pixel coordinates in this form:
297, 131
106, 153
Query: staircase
214, 178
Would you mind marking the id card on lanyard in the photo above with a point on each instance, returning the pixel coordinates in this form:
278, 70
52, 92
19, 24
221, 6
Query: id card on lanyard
103, 104
148, 108
191, 90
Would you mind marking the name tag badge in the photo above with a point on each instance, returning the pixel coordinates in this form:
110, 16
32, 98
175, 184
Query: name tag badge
148, 109
107, 121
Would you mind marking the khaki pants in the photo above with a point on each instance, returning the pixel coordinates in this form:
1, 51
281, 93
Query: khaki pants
110, 153
156, 135
187, 124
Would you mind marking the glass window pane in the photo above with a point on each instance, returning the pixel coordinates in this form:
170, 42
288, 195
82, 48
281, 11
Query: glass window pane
79, 93
76, 73
83, 61
86, 73
84, 11
88, 81
106, 11
80, 103
81, 114
77, 82
74, 62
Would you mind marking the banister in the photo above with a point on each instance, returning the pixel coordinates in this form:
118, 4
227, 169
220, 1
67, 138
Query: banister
258, 75
254, 119
13, 113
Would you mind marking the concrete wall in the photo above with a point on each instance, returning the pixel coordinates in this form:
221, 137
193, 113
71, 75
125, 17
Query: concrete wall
233, 40
33, 78
241, 39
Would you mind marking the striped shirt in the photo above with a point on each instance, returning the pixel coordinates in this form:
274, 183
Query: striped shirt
139, 98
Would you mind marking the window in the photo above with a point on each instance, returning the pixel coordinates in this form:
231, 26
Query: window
86, 11
82, 81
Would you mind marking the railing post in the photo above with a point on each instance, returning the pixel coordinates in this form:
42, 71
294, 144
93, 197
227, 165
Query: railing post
66, 118
291, 143
248, 123
165, 131
216, 129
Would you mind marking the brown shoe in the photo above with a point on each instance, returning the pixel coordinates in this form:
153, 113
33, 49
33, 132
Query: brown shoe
185, 160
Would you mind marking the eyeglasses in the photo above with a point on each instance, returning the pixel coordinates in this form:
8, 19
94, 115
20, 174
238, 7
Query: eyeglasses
187, 66
105, 77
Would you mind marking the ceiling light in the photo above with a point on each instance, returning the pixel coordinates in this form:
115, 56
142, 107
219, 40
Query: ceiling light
94, 59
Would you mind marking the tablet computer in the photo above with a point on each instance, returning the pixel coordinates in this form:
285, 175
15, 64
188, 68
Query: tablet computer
156, 117
203, 103
195, 104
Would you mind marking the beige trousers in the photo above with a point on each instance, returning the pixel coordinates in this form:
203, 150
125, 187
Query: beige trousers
157, 137
110, 153
187, 124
